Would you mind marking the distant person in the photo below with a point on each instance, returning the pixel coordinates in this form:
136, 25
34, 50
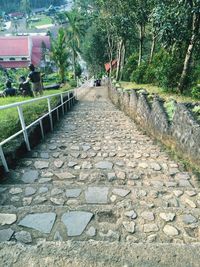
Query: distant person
25, 87
35, 78
9, 91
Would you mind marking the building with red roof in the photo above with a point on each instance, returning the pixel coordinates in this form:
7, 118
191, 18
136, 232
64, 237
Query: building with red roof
108, 65
20, 51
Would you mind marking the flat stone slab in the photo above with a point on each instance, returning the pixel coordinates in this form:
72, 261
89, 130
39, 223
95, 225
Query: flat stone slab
7, 218
121, 192
104, 165
76, 221
6, 234
30, 176
41, 165
73, 192
42, 222
96, 195
65, 175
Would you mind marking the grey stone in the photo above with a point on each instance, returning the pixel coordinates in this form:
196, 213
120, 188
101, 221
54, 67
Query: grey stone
40, 200
189, 219
148, 228
168, 217
111, 176
7, 218
58, 163
131, 214
129, 226
42, 222
30, 176
24, 237
156, 166
190, 203
52, 147
104, 165
76, 222
121, 175
119, 163
43, 190
15, 191
45, 180
56, 155
191, 193
57, 236
110, 236
170, 230
86, 165
56, 191
75, 154
41, 165
91, 231
44, 155
182, 176
121, 192
147, 215
86, 148
73, 192
29, 191
71, 164
184, 183
178, 193
6, 234
96, 195
65, 175
75, 148
57, 201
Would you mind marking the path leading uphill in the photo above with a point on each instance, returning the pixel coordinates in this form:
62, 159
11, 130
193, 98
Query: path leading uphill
98, 192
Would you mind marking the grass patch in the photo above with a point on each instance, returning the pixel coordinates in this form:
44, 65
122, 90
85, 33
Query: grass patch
43, 20
152, 89
9, 121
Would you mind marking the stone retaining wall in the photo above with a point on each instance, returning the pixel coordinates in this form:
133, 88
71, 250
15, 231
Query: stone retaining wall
182, 133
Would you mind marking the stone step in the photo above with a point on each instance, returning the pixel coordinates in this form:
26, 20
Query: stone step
122, 222
97, 254
63, 193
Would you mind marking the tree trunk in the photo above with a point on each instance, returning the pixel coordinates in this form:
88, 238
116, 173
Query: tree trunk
141, 40
186, 68
153, 45
122, 61
74, 66
119, 59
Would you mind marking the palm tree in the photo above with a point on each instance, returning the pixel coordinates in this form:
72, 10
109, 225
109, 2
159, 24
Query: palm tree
75, 30
60, 54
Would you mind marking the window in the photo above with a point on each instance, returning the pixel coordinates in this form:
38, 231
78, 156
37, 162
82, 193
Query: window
24, 58
1, 59
12, 59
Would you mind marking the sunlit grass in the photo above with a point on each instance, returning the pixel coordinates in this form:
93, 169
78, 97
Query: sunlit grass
152, 89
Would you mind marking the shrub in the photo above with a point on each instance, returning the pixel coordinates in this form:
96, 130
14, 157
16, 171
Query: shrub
73, 83
196, 92
130, 66
138, 75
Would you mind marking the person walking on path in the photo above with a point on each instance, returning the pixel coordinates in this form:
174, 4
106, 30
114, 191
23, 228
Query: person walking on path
25, 87
35, 78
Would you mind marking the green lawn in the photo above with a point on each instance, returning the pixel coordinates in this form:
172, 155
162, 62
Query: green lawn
9, 122
43, 20
152, 89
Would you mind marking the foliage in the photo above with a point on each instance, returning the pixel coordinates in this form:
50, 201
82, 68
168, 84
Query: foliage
59, 53
139, 74
130, 66
195, 92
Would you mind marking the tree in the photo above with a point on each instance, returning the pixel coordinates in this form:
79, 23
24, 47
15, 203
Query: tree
25, 7
60, 54
194, 11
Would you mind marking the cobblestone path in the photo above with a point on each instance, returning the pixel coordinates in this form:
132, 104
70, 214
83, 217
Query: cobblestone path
97, 177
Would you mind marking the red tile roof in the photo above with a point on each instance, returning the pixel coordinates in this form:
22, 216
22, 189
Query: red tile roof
14, 46
14, 64
114, 64
22, 46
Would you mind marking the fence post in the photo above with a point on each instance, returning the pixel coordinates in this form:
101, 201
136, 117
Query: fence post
63, 109
50, 114
3, 159
21, 117
69, 100
42, 130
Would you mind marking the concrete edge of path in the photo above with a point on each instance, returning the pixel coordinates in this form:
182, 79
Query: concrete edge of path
96, 254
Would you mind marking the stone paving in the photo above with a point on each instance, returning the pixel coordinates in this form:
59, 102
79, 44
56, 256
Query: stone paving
98, 177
